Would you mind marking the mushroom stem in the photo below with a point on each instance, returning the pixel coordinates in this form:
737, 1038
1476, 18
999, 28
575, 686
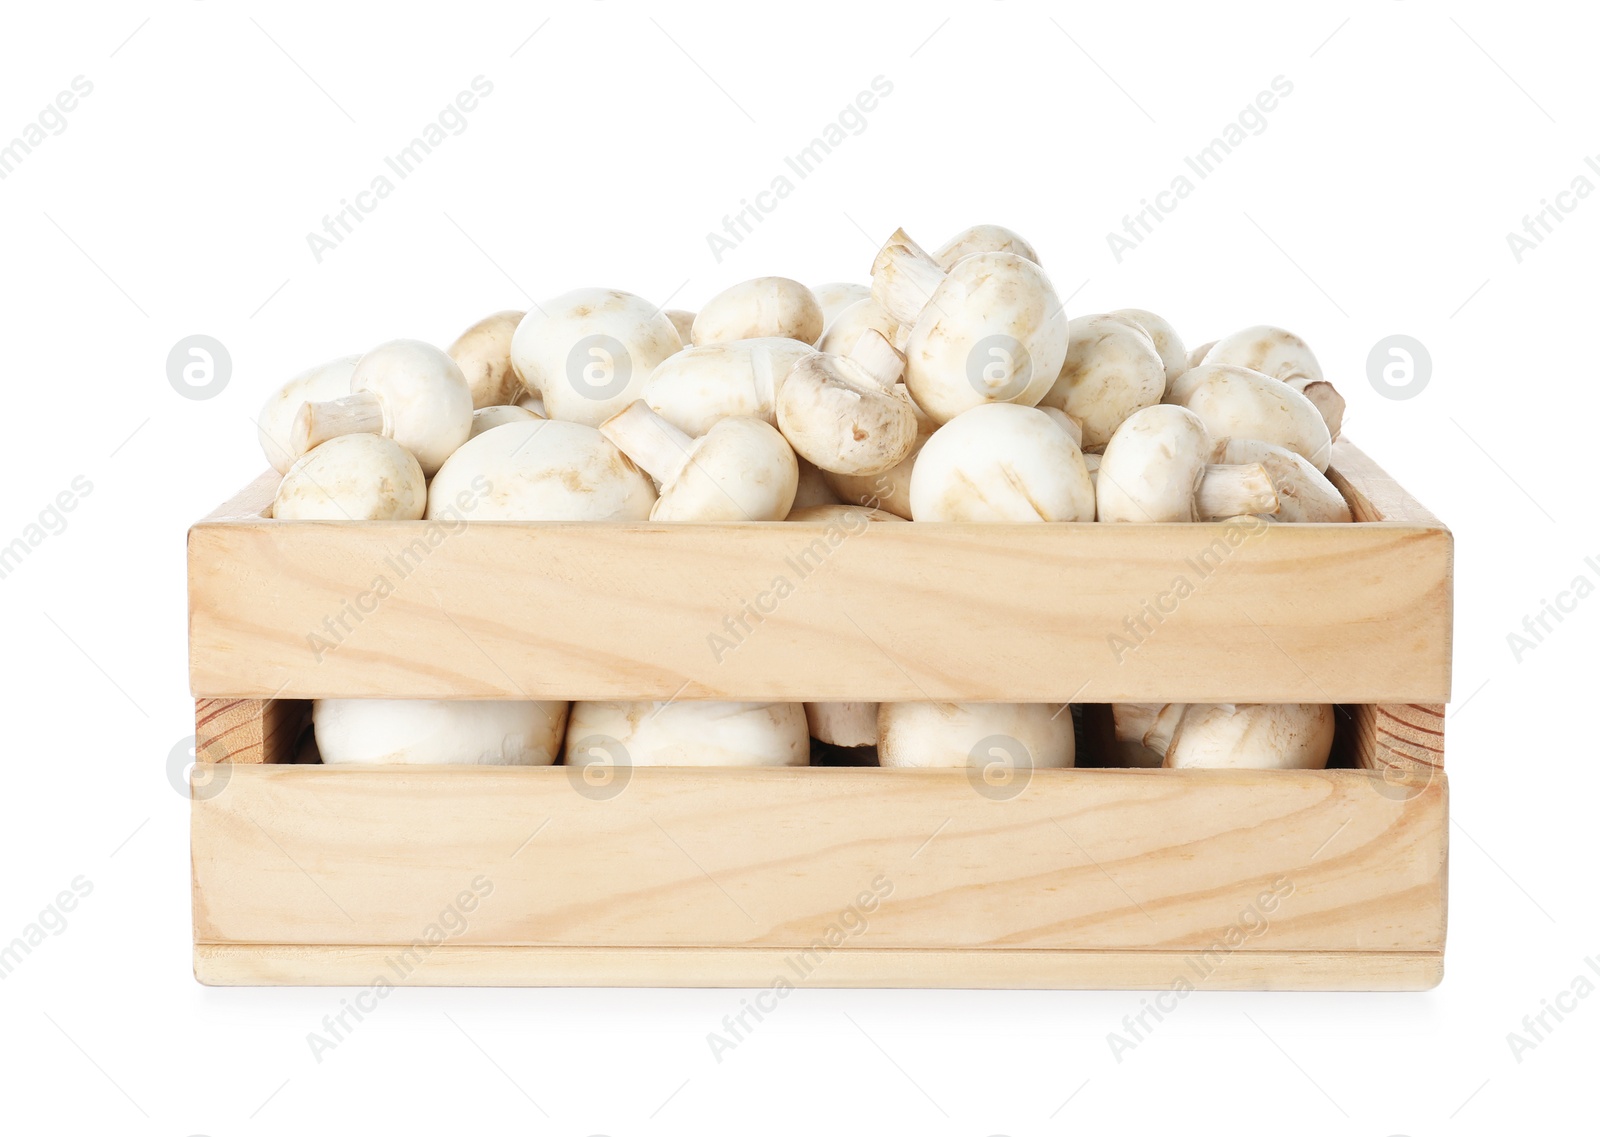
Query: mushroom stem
904, 277
1226, 491
878, 359
655, 445
1160, 729
360, 413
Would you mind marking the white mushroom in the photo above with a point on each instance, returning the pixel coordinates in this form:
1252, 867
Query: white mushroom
1001, 462
840, 413
487, 418
813, 490
890, 490
541, 471
837, 295
589, 352
1282, 355
983, 239
739, 470
1304, 493
1237, 403
483, 352
407, 390
689, 734
843, 724
1111, 370
1250, 736
682, 322
1155, 468
275, 423
846, 328
1015, 735
700, 385
753, 309
438, 732
835, 514
1165, 337
356, 477
532, 401
1269, 350
1132, 723
1197, 356
990, 330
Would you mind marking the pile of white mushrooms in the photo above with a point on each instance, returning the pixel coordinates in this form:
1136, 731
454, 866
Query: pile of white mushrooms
952, 388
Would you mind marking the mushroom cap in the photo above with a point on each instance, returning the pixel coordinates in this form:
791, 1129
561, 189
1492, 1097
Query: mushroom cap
983, 239
846, 328
483, 352
700, 385
355, 477
1111, 370
1252, 736
691, 733
839, 418
1197, 355
589, 351
1037, 735
740, 470
1001, 462
831, 514
1269, 350
682, 322
1168, 343
487, 418
1235, 402
993, 332
837, 295
891, 490
275, 423
541, 471
753, 309
1304, 492
427, 406
1152, 466
442, 732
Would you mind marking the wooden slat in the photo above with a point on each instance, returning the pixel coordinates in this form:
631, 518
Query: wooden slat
1403, 739
1374, 495
250, 503
1080, 860
247, 730
1324, 613
346, 966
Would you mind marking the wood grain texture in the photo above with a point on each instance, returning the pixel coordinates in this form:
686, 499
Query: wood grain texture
1403, 739
1079, 860
247, 730
1374, 495
1030, 613
346, 966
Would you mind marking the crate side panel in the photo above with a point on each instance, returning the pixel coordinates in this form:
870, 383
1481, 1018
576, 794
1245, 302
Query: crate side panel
1159, 860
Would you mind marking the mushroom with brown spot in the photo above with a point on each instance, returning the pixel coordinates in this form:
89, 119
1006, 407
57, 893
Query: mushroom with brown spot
541, 471
355, 477
755, 309
483, 352
841, 414
1111, 370
1157, 468
1001, 462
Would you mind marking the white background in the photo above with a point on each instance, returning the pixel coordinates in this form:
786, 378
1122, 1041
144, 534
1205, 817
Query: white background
1377, 201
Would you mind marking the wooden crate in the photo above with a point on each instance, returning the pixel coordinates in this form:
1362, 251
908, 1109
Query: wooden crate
1334, 879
